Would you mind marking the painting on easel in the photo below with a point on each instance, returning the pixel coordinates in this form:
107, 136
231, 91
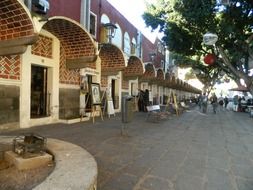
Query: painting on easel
95, 94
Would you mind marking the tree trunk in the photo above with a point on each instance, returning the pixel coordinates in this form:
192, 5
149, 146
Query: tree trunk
238, 74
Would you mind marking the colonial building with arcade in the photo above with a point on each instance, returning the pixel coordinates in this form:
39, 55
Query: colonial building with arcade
51, 52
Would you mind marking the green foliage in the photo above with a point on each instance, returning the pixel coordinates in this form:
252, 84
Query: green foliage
184, 22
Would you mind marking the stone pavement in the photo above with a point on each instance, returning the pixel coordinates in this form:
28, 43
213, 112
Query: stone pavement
191, 152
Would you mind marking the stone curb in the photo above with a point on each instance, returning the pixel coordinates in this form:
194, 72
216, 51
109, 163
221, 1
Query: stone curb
75, 168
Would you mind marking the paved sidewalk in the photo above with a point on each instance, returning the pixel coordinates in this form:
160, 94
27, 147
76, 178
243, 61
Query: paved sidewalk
191, 152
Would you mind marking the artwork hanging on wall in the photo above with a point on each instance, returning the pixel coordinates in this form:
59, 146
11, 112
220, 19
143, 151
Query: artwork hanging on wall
84, 85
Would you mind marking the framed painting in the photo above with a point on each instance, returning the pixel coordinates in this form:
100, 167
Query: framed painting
95, 94
84, 85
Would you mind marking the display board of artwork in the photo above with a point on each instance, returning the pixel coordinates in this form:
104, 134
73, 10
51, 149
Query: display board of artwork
110, 108
95, 94
109, 102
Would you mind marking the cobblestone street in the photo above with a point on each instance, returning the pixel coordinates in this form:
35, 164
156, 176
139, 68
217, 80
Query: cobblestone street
191, 152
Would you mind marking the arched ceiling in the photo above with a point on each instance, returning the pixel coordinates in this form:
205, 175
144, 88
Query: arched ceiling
79, 47
160, 75
112, 59
17, 30
149, 74
134, 67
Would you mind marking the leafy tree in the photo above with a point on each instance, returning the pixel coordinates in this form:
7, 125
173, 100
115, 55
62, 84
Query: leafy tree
184, 22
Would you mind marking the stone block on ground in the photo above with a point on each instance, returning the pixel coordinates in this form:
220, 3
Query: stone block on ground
27, 163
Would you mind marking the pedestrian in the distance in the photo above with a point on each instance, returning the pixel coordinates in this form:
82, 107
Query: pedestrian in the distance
235, 101
221, 103
200, 101
146, 99
214, 102
226, 102
204, 102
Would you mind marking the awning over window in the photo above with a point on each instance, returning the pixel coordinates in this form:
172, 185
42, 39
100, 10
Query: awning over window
82, 62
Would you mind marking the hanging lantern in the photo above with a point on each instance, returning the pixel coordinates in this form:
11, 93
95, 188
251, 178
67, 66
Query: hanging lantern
210, 59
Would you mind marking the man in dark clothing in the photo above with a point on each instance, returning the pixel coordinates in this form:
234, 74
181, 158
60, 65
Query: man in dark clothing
141, 100
214, 102
204, 102
226, 101
146, 99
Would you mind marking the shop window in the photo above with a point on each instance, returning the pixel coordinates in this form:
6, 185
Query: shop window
93, 24
117, 40
103, 30
127, 48
133, 47
162, 64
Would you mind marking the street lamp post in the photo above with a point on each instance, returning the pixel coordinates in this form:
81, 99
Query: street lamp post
111, 30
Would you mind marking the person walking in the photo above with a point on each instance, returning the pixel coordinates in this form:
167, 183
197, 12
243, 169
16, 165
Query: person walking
214, 102
141, 100
204, 102
226, 102
220, 103
235, 101
200, 101
146, 99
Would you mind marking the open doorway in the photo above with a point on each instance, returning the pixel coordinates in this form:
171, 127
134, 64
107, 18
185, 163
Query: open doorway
39, 91
113, 93
88, 96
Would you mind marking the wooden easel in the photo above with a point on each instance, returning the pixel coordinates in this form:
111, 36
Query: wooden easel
94, 109
175, 103
104, 105
168, 100
86, 102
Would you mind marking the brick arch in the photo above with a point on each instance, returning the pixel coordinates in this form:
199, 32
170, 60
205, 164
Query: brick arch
173, 82
179, 84
17, 30
78, 45
160, 75
112, 59
167, 76
184, 86
134, 67
159, 80
168, 79
149, 74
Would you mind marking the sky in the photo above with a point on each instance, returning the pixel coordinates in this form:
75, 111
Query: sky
132, 10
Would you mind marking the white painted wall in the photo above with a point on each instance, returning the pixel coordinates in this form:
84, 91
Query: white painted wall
134, 83
53, 84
